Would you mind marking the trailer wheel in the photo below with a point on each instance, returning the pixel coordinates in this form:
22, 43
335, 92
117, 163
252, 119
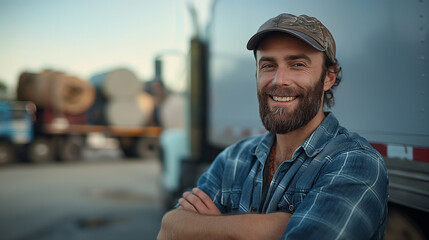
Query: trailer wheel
401, 226
7, 153
41, 151
147, 147
70, 149
127, 145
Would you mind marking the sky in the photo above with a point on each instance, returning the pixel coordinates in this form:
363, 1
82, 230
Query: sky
86, 37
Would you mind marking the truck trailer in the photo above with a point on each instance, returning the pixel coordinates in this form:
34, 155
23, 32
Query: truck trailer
382, 47
66, 110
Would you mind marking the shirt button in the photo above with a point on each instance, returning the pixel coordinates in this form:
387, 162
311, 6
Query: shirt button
291, 208
253, 209
254, 184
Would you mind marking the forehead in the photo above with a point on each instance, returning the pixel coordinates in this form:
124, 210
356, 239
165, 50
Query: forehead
282, 42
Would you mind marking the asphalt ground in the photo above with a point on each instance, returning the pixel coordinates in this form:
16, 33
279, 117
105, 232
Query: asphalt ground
102, 197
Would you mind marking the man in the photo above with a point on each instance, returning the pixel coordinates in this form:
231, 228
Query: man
308, 178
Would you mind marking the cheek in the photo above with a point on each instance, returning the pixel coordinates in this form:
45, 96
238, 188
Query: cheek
263, 80
259, 83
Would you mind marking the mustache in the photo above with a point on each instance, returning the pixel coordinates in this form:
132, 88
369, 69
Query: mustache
281, 91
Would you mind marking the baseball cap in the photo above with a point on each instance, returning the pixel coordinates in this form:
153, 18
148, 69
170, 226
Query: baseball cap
306, 28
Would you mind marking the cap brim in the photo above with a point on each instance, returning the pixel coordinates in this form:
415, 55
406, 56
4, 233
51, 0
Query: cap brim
254, 41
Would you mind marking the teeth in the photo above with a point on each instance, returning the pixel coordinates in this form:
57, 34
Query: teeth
283, 99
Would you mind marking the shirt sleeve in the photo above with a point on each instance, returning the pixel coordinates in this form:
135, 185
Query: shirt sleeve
347, 201
210, 181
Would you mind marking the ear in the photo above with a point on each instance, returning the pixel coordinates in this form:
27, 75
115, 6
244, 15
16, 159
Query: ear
331, 76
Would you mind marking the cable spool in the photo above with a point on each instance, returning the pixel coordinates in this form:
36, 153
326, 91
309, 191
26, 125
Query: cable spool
129, 112
118, 83
121, 99
50, 89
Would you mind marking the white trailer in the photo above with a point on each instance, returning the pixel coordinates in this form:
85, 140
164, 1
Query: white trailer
383, 48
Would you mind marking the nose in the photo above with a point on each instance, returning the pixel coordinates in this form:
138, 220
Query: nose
282, 76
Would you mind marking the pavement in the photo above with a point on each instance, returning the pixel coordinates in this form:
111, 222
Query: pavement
102, 197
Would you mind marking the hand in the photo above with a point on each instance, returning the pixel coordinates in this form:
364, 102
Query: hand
198, 201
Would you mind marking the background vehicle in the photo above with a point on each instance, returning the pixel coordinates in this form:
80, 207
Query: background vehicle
16, 128
67, 110
382, 48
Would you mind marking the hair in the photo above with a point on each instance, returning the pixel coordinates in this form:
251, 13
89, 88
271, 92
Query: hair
329, 100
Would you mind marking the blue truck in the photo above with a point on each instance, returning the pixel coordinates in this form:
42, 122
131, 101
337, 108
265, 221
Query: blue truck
16, 129
50, 119
26, 135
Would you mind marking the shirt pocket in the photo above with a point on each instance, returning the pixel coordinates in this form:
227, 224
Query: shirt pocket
231, 201
291, 200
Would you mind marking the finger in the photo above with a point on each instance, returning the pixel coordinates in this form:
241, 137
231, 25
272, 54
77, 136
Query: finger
195, 201
204, 197
186, 205
180, 206
208, 202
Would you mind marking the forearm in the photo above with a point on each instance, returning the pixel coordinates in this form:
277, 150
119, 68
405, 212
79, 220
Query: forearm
183, 224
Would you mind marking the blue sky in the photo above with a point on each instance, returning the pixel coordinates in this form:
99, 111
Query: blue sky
85, 37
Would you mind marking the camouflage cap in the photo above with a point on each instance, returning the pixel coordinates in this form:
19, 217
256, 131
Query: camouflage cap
308, 29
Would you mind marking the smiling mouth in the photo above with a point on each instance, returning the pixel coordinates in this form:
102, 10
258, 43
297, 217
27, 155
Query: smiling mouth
283, 99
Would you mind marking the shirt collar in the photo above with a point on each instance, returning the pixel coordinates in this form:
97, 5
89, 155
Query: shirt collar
263, 148
320, 137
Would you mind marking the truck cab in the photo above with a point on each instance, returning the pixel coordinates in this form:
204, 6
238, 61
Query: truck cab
16, 128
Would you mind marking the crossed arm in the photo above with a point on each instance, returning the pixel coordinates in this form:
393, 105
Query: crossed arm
199, 218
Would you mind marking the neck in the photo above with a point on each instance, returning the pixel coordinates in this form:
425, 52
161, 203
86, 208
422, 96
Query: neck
287, 143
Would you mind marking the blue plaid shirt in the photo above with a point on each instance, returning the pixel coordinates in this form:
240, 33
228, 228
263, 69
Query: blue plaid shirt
341, 196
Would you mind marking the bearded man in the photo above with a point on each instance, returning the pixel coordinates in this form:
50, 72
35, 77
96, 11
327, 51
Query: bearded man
308, 177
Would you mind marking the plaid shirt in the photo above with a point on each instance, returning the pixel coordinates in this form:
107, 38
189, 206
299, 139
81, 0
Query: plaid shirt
343, 196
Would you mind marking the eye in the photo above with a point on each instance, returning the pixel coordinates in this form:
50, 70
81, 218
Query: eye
298, 64
267, 66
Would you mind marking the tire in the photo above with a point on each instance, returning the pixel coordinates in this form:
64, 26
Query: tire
401, 226
70, 149
147, 148
7, 153
41, 150
140, 148
127, 145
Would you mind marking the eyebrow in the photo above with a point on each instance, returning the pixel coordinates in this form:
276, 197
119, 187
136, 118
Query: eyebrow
299, 56
287, 58
265, 59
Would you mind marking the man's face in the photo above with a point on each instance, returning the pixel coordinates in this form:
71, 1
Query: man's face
290, 83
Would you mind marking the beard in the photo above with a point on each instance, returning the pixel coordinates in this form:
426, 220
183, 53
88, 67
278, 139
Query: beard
277, 120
